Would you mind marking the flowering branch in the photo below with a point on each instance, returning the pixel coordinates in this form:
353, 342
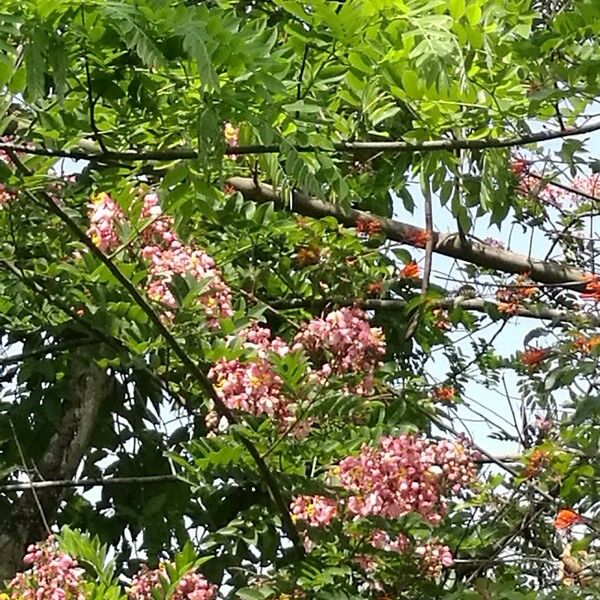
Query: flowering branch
192, 367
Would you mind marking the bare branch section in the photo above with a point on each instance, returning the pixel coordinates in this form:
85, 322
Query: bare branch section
448, 244
362, 147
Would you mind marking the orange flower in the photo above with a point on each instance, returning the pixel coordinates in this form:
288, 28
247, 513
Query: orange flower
585, 344
592, 288
410, 271
536, 462
508, 308
367, 225
374, 288
534, 356
418, 238
525, 291
444, 393
566, 518
308, 255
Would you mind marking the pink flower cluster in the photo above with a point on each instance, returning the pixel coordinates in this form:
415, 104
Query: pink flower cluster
343, 342
531, 184
53, 575
252, 385
166, 253
105, 216
192, 586
432, 556
406, 474
168, 257
317, 511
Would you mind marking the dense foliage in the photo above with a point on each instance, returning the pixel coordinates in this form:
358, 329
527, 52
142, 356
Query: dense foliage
230, 369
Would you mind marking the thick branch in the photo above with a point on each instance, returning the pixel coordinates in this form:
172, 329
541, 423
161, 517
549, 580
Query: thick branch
362, 147
472, 251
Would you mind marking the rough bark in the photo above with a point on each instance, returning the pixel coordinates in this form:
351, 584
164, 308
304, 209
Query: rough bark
24, 524
448, 244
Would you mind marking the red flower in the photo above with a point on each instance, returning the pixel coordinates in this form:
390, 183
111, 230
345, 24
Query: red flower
534, 356
444, 393
410, 271
566, 518
592, 288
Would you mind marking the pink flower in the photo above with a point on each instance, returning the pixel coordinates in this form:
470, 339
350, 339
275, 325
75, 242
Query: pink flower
343, 343
192, 586
317, 511
52, 575
105, 216
433, 557
252, 385
406, 474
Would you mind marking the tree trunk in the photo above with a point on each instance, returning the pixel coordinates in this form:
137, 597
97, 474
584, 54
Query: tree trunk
24, 524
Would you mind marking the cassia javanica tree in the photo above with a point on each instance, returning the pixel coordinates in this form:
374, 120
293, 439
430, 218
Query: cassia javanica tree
221, 341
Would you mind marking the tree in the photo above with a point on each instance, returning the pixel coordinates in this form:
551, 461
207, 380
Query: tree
230, 365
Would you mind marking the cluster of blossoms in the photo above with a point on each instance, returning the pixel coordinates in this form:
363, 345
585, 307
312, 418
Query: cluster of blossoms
444, 393
252, 385
231, 135
317, 511
592, 288
536, 462
166, 254
566, 518
192, 586
418, 237
410, 270
585, 344
52, 575
432, 557
531, 184
343, 343
510, 299
406, 474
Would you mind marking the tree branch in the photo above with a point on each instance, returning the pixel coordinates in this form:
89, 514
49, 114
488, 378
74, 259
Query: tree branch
363, 147
472, 304
448, 244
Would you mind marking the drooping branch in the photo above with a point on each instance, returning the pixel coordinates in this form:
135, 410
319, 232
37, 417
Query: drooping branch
362, 147
448, 244
193, 368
